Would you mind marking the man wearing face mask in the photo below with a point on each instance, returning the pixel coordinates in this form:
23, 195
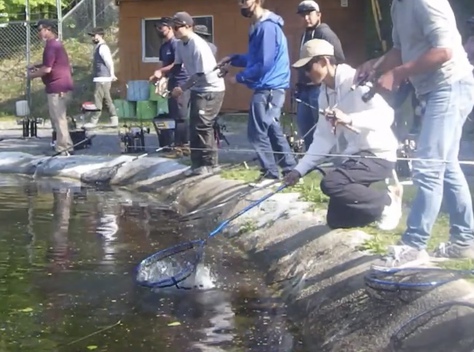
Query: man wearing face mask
178, 107
55, 72
266, 72
103, 75
308, 92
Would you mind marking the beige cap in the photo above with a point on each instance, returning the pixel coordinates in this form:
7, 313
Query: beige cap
312, 48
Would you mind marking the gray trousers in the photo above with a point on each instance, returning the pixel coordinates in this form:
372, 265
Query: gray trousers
102, 97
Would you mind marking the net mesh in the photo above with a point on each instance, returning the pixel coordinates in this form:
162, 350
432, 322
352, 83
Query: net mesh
171, 266
447, 327
406, 284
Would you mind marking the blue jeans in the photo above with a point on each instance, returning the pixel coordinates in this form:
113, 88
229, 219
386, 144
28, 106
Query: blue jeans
307, 117
265, 133
446, 111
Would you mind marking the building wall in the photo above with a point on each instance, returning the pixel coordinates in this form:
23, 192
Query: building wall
231, 33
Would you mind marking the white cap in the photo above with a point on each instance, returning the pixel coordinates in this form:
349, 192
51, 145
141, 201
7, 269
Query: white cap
308, 6
312, 48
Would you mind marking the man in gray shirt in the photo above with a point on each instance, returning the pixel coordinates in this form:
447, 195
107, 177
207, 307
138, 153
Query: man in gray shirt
207, 93
431, 55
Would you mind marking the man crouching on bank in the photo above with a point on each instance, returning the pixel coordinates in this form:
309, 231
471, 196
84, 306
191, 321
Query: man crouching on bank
366, 128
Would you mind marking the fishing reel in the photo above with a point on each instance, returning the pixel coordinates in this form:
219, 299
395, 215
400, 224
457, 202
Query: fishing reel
366, 81
406, 151
219, 135
296, 144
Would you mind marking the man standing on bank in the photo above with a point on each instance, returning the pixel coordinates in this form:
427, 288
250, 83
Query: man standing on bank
267, 72
207, 93
306, 91
103, 73
431, 55
55, 72
178, 107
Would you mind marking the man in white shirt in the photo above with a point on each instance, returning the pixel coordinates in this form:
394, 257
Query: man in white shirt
103, 76
366, 127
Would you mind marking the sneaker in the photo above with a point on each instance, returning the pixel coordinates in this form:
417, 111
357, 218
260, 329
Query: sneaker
402, 256
392, 213
454, 251
200, 171
89, 126
114, 121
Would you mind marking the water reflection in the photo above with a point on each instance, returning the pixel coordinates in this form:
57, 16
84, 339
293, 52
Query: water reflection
67, 267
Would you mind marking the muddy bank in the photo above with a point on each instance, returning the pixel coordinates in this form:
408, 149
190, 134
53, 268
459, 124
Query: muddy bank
317, 271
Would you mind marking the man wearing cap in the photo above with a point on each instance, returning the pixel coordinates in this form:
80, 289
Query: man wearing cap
178, 107
366, 128
432, 56
55, 72
266, 72
103, 73
202, 31
207, 93
306, 91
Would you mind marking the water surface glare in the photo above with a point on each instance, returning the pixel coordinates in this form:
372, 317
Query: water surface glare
67, 269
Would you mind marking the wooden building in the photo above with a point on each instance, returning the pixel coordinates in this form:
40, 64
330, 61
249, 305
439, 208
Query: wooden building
139, 43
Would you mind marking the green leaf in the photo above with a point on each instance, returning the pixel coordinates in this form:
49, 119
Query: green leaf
92, 347
176, 323
26, 310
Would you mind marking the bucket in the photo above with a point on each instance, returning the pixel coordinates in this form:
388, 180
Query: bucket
21, 108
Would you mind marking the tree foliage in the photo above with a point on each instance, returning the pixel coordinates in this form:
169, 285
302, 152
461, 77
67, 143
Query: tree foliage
15, 9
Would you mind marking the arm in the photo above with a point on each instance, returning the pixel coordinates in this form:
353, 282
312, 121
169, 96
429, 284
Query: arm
436, 28
49, 58
323, 141
376, 114
106, 55
267, 39
239, 60
169, 69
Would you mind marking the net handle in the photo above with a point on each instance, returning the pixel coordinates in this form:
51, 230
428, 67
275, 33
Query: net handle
223, 224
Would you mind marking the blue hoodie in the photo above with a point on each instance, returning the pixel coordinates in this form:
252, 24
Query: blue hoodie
267, 63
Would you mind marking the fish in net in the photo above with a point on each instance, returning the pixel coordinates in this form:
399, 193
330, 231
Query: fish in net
173, 265
407, 284
170, 266
447, 327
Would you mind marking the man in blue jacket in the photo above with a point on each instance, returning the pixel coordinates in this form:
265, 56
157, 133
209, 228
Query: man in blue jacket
267, 72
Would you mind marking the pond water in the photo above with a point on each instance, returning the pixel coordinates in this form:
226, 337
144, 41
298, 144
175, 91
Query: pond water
67, 259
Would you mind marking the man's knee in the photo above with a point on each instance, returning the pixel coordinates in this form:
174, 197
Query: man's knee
332, 183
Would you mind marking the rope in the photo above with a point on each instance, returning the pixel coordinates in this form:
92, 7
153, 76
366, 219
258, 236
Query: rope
327, 155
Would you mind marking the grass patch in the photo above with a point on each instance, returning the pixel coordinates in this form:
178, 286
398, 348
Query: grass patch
309, 188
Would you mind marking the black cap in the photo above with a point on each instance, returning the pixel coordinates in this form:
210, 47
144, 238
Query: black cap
46, 24
96, 30
183, 19
308, 6
202, 30
165, 21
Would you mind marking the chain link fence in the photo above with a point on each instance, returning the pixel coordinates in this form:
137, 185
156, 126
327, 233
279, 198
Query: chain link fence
80, 20
20, 44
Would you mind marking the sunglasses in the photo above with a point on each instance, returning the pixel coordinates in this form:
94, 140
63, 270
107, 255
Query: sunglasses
176, 27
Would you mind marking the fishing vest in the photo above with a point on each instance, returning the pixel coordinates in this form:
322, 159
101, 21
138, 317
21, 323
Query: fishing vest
99, 68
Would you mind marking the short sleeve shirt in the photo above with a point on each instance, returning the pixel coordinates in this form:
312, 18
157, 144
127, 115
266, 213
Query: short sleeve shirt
59, 80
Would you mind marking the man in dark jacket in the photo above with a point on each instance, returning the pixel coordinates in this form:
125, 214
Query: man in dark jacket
307, 92
178, 107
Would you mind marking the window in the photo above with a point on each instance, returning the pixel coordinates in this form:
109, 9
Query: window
151, 42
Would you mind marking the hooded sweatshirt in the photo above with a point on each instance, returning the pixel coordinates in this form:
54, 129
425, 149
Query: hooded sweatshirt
267, 63
322, 31
373, 119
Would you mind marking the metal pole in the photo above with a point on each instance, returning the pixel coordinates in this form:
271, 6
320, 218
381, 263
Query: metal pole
27, 53
59, 12
94, 14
